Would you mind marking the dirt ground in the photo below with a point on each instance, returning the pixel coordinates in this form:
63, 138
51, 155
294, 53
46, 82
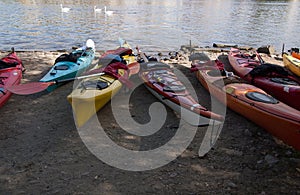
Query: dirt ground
42, 153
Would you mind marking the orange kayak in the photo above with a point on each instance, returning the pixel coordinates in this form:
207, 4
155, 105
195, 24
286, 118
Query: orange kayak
277, 118
295, 55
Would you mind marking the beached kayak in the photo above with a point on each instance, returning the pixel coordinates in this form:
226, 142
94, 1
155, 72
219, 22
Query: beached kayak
277, 118
91, 94
11, 69
160, 80
292, 63
69, 65
274, 79
295, 52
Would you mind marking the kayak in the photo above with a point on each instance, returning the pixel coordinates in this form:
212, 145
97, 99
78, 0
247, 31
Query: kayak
69, 65
10, 75
292, 63
274, 79
279, 119
91, 94
296, 55
295, 52
160, 80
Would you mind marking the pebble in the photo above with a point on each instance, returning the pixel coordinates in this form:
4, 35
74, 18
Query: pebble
271, 160
248, 133
173, 174
231, 184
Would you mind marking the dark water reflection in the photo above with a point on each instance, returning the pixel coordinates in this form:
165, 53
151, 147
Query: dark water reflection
153, 24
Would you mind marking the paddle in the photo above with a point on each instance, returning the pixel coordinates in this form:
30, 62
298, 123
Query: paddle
259, 58
36, 87
142, 55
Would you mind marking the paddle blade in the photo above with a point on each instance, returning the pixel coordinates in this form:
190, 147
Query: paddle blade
29, 88
134, 68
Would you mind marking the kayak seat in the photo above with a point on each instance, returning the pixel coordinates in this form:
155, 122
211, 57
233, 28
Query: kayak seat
7, 65
72, 57
60, 67
174, 88
94, 84
261, 97
266, 69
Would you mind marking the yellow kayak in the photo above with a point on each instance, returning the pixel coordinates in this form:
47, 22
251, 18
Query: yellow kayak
293, 64
91, 94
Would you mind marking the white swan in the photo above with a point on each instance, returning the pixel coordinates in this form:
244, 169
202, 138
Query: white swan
64, 9
109, 13
97, 9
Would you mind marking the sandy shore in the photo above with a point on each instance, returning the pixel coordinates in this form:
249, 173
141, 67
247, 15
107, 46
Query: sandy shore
41, 151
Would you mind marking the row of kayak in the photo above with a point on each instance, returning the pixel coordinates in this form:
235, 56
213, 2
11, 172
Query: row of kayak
251, 92
245, 96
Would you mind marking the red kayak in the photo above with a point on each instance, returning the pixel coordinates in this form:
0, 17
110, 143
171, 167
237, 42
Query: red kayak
160, 80
10, 74
274, 79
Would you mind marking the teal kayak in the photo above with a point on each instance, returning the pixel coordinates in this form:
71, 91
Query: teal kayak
69, 65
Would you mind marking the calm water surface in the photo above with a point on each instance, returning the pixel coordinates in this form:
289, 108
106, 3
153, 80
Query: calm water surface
152, 24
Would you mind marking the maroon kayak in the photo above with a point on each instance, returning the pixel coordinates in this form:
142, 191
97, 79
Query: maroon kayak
11, 69
162, 82
274, 79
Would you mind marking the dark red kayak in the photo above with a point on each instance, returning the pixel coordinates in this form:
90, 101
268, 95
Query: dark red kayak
11, 69
162, 82
274, 79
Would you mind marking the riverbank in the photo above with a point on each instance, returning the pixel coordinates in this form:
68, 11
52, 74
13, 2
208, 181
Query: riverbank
41, 151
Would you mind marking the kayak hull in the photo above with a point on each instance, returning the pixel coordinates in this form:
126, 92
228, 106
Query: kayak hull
190, 117
9, 76
277, 118
156, 81
87, 102
287, 92
67, 69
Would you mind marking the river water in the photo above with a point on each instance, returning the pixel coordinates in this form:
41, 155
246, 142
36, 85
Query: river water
152, 24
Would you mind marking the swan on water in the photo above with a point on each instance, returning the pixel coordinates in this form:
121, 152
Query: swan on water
109, 13
97, 9
64, 9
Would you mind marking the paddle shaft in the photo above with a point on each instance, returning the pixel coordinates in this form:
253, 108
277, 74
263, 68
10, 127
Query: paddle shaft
131, 67
77, 78
259, 58
142, 54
